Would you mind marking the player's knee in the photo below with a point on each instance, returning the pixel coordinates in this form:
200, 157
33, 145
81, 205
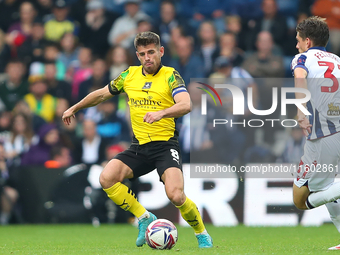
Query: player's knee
176, 196
106, 180
12, 194
299, 204
103, 180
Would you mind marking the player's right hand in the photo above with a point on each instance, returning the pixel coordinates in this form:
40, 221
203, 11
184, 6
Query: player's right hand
305, 125
67, 116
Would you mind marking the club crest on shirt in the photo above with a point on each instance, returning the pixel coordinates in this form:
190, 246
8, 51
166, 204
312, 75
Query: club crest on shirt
145, 88
333, 110
147, 85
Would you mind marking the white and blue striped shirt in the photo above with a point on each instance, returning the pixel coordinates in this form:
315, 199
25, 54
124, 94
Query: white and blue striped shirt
323, 73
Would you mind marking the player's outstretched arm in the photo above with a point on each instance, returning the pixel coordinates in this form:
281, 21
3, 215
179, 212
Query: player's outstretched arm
181, 107
301, 82
92, 99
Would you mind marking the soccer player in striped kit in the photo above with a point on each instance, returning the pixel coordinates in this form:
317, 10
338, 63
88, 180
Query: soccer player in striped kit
318, 71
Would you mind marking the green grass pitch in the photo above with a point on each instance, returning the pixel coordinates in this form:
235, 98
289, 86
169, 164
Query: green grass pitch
120, 239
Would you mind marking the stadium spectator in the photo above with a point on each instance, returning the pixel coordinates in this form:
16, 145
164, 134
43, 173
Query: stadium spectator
51, 54
21, 138
115, 7
56, 88
288, 7
168, 21
81, 71
109, 124
59, 24
91, 148
8, 194
118, 60
330, 10
112, 150
44, 7
15, 86
78, 12
9, 13
143, 25
124, 29
60, 157
39, 101
188, 64
5, 125
293, 150
229, 49
176, 34
99, 77
20, 31
32, 50
234, 25
112, 125
225, 71
247, 9
201, 140
69, 50
236, 76
208, 48
5, 52
38, 154
305, 7
96, 28
272, 22
23, 108
264, 63
198, 11
68, 135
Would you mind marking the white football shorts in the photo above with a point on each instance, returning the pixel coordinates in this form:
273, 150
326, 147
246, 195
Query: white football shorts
320, 163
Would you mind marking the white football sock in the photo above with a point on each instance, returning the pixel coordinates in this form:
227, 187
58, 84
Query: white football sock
323, 197
203, 233
334, 212
144, 215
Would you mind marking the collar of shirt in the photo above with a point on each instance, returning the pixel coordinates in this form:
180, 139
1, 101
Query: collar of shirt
317, 48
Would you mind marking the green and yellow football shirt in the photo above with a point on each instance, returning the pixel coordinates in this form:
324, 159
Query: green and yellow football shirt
149, 93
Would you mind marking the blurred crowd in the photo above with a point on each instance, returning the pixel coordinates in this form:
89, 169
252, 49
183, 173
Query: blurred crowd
54, 52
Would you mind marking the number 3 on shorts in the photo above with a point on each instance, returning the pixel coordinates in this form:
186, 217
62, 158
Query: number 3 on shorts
174, 154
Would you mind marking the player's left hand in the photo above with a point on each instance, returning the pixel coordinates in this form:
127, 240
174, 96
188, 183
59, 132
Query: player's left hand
67, 116
151, 117
305, 125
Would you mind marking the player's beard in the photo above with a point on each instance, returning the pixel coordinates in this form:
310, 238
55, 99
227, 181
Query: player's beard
150, 69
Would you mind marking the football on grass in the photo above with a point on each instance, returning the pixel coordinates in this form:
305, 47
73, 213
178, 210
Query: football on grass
161, 234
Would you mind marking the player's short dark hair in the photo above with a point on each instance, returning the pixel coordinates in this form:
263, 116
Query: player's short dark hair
314, 28
147, 38
168, 2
